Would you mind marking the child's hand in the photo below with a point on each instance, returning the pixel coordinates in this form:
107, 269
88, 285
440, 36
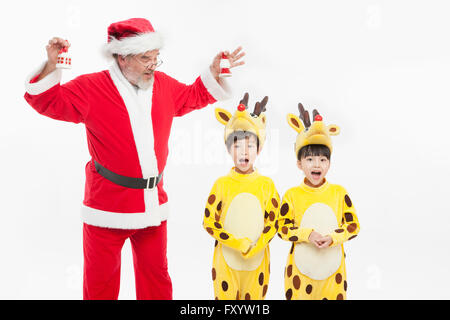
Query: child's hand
315, 238
325, 242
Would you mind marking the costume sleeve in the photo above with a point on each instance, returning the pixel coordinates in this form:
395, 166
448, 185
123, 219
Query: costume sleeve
349, 225
271, 213
212, 225
287, 229
205, 90
61, 102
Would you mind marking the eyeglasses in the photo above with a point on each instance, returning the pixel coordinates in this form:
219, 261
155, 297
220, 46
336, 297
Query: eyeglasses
149, 65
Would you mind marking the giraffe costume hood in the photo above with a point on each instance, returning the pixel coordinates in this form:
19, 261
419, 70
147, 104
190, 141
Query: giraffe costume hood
315, 133
242, 120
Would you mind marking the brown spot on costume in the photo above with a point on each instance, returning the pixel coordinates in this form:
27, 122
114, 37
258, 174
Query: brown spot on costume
211, 199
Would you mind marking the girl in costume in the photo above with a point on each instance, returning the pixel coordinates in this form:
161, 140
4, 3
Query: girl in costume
317, 217
242, 210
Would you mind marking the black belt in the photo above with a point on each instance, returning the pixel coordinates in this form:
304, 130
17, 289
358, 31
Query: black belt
134, 183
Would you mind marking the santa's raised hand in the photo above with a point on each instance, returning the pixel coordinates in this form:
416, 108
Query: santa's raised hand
234, 58
53, 47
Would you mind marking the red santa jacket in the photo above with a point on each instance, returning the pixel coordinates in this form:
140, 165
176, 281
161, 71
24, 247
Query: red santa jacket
127, 131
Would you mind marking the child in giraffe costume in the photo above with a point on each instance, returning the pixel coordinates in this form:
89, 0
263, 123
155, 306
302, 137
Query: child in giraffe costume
317, 217
242, 210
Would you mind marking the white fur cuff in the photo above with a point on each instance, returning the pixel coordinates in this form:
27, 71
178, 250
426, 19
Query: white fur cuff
219, 90
44, 84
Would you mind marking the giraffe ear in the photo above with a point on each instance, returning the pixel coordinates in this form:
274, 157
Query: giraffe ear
295, 122
223, 116
333, 129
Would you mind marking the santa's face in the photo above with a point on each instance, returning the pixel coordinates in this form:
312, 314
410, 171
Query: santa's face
139, 69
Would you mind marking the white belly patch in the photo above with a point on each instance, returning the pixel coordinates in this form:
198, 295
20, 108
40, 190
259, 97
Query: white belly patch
245, 218
318, 264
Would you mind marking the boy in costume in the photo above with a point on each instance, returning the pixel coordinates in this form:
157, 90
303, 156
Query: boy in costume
242, 210
317, 217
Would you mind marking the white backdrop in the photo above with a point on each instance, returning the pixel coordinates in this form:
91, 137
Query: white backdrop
378, 69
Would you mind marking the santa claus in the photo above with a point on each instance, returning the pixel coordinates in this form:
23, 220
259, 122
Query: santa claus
128, 112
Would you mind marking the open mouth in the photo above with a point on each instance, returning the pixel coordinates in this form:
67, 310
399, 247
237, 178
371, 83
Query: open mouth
243, 161
316, 174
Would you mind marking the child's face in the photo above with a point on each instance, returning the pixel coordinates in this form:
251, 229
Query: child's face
244, 153
315, 168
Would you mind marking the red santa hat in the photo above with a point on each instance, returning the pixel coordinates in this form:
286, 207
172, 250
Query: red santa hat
132, 36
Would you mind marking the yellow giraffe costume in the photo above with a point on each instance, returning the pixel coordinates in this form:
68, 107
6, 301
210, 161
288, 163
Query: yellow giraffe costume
241, 214
313, 273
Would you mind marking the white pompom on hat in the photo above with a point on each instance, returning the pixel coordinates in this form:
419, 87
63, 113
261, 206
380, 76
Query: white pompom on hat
131, 37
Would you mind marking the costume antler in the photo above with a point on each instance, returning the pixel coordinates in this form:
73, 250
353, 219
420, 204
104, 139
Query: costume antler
304, 116
260, 106
315, 113
244, 100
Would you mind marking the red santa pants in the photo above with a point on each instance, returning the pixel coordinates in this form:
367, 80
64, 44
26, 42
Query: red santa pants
102, 252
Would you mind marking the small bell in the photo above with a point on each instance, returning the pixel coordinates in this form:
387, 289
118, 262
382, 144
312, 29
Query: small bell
224, 67
64, 61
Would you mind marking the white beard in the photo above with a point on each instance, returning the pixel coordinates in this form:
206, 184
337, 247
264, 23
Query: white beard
144, 84
136, 79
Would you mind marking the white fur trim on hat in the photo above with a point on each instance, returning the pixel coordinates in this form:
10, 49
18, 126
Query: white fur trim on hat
133, 45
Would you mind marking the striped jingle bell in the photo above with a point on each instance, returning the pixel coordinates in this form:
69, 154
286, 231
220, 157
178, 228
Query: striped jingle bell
64, 61
224, 67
